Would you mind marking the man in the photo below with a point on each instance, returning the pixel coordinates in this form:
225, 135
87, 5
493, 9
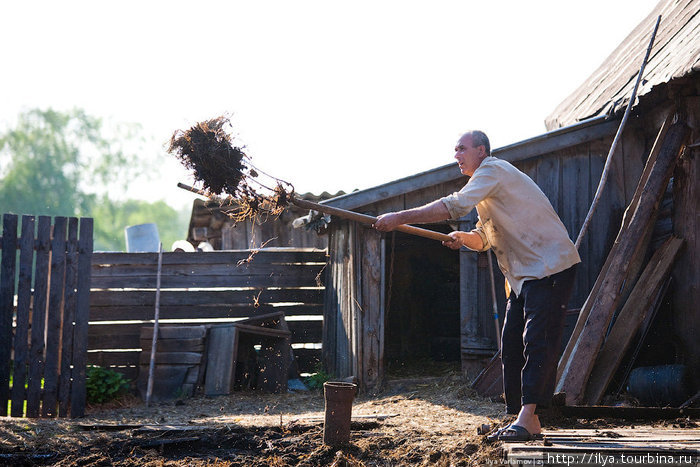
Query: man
537, 258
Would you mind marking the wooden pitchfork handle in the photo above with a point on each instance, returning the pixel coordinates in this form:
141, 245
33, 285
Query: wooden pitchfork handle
365, 219
350, 215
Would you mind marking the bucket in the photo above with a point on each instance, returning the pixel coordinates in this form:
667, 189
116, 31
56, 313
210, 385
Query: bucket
142, 238
659, 386
336, 426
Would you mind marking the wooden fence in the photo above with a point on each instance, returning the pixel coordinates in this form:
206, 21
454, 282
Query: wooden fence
45, 340
203, 288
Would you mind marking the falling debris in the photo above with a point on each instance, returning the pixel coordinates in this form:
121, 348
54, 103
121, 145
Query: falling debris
226, 171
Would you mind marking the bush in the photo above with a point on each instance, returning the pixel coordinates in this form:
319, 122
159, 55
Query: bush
316, 380
104, 385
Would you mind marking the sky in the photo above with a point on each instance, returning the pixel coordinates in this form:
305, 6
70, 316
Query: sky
328, 95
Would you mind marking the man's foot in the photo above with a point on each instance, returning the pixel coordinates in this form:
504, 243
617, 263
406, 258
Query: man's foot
528, 420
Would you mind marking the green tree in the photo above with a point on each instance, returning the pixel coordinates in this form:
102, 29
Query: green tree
69, 164
111, 217
52, 163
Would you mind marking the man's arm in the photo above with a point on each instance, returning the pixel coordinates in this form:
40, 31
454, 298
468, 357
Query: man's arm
431, 212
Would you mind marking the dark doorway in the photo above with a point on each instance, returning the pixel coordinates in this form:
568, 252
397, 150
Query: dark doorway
422, 318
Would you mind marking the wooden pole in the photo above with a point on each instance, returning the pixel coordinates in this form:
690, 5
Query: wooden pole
494, 302
606, 168
353, 216
154, 340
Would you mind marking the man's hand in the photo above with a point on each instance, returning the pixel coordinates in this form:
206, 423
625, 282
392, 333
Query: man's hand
458, 239
388, 222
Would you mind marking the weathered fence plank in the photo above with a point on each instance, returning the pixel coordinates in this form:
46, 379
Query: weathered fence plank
36, 351
202, 288
24, 298
256, 257
53, 322
284, 276
235, 310
69, 304
7, 293
82, 311
146, 298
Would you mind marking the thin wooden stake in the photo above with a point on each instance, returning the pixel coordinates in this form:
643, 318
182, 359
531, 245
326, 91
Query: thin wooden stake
493, 300
152, 365
606, 169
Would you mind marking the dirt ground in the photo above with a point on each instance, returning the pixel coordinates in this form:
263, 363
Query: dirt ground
427, 421
412, 421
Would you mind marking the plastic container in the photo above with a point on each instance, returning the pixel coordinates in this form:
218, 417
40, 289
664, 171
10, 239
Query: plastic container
659, 386
142, 238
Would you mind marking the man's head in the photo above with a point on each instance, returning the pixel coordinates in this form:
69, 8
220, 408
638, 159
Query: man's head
472, 148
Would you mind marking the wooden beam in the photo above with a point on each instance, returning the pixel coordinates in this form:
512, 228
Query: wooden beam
586, 309
578, 367
630, 318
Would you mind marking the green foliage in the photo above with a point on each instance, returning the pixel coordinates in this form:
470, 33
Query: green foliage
111, 217
104, 385
316, 380
53, 163
70, 164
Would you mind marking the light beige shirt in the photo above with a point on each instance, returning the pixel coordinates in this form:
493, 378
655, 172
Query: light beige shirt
516, 220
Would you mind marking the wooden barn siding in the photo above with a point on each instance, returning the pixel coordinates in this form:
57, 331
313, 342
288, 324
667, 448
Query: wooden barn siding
569, 177
122, 297
686, 224
339, 337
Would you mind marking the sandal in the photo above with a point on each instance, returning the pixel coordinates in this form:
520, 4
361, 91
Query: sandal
517, 433
496, 434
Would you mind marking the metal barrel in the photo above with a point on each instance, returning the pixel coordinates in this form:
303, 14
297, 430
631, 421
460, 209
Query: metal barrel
338, 397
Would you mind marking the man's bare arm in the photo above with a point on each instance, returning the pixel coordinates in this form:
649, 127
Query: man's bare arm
431, 212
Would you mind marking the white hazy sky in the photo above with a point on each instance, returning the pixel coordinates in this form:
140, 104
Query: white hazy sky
328, 95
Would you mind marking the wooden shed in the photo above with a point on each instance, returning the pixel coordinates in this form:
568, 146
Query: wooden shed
210, 223
392, 299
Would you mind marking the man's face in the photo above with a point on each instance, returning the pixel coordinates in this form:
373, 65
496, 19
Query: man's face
468, 157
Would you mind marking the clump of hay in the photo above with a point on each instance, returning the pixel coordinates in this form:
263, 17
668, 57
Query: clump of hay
226, 172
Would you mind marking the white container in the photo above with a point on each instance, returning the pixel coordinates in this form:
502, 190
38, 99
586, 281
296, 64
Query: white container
142, 238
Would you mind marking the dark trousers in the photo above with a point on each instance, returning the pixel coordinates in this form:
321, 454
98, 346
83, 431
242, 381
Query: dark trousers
531, 342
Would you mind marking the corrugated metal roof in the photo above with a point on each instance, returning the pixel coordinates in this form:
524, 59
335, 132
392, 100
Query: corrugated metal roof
676, 53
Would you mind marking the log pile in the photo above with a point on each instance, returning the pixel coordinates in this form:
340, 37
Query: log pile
595, 349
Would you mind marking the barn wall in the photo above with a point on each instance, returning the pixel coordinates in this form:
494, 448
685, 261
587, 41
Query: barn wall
686, 273
569, 177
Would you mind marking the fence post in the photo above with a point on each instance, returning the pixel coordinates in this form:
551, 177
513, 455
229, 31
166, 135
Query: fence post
7, 295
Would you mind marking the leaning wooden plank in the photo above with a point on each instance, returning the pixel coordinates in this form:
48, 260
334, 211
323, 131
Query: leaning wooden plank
578, 367
489, 383
24, 298
630, 318
7, 294
69, 304
53, 322
586, 309
80, 331
41, 283
221, 360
